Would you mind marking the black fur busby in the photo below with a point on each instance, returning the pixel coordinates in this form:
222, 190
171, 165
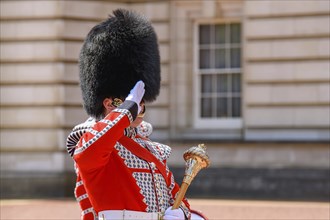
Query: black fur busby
116, 54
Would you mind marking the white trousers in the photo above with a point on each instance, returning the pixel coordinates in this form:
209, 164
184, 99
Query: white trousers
135, 215
128, 215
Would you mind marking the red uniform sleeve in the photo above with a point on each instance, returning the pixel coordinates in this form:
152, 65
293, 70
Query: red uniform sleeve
95, 146
88, 212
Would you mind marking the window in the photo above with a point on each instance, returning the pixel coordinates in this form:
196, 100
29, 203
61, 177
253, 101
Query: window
218, 75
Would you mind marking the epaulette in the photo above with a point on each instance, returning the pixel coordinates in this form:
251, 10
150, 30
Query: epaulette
76, 133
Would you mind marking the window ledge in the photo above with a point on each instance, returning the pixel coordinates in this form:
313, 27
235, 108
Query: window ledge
209, 134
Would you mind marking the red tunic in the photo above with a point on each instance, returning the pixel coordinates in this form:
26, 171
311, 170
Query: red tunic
116, 179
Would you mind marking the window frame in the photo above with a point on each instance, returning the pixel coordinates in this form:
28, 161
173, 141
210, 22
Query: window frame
213, 123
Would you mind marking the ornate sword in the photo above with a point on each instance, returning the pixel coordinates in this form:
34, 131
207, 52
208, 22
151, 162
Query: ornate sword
196, 159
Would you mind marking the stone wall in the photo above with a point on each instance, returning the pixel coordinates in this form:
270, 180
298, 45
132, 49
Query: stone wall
40, 96
260, 184
285, 83
286, 76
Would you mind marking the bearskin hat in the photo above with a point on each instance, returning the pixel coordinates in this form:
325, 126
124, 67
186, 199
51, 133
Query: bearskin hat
117, 53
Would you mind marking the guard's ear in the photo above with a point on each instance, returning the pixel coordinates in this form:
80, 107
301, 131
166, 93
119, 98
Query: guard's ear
107, 103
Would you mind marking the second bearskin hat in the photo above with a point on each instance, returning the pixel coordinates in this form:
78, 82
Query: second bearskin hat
117, 53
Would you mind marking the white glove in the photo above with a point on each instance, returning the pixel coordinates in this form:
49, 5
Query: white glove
136, 94
173, 214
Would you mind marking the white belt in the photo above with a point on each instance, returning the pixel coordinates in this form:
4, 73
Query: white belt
127, 215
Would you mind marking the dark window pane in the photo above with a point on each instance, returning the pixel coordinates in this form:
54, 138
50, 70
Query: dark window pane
236, 107
220, 34
222, 107
222, 84
206, 107
225, 55
220, 58
235, 33
235, 57
204, 34
236, 82
206, 84
204, 59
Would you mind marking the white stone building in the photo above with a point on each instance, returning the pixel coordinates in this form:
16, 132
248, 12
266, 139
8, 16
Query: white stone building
250, 79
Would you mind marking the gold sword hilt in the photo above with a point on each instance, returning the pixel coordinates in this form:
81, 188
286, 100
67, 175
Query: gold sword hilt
196, 159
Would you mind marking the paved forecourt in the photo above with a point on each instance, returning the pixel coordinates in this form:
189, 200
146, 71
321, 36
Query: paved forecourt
67, 209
